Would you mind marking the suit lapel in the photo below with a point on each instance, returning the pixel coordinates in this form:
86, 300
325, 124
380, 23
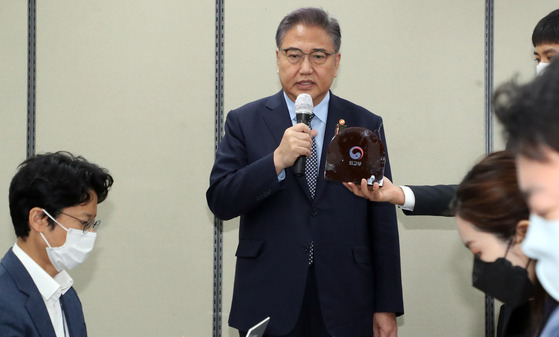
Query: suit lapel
277, 120
35, 305
39, 314
336, 110
277, 117
73, 312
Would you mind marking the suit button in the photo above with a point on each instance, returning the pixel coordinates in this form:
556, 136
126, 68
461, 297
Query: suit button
305, 249
314, 212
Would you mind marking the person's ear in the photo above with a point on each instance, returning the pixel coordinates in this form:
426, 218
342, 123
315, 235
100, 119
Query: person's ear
521, 230
337, 63
277, 60
37, 220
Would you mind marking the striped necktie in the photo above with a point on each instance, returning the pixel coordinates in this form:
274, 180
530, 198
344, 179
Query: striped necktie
311, 166
311, 174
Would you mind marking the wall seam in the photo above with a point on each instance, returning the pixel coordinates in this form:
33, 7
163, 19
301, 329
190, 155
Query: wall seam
31, 76
489, 58
218, 224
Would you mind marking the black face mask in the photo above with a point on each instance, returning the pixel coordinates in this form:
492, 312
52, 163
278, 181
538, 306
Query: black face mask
500, 279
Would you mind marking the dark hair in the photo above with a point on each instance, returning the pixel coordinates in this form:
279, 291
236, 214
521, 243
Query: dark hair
530, 113
489, 196
54, 181
310, 17
547, 29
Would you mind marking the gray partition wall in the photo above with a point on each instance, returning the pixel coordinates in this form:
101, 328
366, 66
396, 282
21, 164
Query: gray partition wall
131, 85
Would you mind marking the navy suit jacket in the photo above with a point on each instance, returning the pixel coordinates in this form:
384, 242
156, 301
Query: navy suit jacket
433, 200
22, 310
356, 247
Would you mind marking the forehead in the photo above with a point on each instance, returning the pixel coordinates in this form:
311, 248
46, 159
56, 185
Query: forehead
466, 230
531, 171
472, 237
312, 37
546, 48
539, 181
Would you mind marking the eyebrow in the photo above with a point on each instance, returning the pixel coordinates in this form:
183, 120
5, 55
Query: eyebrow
312, 50
88, 215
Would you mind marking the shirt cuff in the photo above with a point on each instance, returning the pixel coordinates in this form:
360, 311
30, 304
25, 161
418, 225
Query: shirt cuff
281, 176
409, 202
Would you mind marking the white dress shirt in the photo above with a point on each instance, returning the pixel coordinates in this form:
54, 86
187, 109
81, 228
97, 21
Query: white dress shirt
50, 288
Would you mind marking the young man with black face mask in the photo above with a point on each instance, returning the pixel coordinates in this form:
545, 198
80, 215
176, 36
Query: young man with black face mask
53, 203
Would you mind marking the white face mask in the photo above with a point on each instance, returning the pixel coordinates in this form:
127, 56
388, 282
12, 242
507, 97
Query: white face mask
74, 251
540, 68
541, 244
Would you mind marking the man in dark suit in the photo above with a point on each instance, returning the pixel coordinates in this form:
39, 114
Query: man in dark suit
317, 259
53, 204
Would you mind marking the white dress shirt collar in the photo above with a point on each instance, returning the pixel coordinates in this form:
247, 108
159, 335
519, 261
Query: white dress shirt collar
320, 111
318, 123
49, 287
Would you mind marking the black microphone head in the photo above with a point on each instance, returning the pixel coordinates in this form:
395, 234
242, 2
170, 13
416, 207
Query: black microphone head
303, 104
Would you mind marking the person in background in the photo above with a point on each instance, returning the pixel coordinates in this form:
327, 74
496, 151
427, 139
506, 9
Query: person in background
492, 221
530, 117
53, 204
545, 39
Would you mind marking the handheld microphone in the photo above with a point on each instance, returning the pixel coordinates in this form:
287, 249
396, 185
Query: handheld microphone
303, 111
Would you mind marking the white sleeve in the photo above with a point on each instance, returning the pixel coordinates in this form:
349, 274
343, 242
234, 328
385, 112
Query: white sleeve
409, 202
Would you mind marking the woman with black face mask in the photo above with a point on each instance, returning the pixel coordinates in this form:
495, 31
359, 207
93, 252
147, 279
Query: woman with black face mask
492, 220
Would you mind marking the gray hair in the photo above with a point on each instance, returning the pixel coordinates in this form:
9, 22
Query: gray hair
310, 17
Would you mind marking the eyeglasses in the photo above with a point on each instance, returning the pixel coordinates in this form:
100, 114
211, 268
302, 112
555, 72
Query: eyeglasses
296, 56
87, 225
